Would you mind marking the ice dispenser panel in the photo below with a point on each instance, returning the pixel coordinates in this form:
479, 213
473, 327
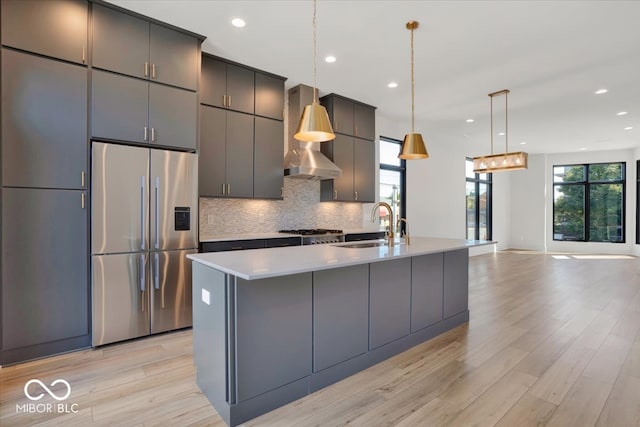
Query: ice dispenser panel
182, 218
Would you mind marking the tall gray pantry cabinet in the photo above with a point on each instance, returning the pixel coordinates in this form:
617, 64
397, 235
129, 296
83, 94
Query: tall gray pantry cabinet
46, 88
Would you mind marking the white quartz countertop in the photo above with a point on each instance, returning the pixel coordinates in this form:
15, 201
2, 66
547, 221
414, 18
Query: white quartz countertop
273, 262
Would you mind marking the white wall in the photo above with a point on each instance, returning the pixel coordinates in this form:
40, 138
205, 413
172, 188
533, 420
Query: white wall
527, 200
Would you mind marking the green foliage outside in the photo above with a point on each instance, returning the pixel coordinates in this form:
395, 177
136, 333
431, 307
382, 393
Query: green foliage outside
604, 200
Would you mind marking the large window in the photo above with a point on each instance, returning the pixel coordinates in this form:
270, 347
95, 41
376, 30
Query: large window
478, 201
392, 180
588, 202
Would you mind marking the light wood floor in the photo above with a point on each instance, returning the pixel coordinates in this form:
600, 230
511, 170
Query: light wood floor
552, 342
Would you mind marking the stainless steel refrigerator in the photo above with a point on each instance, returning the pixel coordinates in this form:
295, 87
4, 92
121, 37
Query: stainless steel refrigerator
144, 207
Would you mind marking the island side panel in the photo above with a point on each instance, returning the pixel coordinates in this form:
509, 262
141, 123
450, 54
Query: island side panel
210, 335
389, 301
456, 282
340, 315
273, 329
426, 290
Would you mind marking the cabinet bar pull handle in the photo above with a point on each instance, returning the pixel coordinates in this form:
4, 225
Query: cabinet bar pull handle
82, 200
84, 56
153, 134
82, 175
229, 101
153, 71
335, 194
281, 191
356, 195
142, 191
228, 189
224, 100
146, 69
144, 138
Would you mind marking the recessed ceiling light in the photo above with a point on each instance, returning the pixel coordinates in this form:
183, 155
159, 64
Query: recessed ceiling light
238, 22
501, 134
470, 120
392, 85
601, 91
628, 128
523, 143
330, 59
622, 113
583, 148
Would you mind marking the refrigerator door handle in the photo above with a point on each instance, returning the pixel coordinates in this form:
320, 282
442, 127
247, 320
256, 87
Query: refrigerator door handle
143, 279
156, 277
157, 213
142, 213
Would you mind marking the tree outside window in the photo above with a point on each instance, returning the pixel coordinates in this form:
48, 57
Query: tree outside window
588, 202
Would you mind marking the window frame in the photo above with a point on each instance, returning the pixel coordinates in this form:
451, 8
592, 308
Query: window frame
402, 169
586, 184
477, 181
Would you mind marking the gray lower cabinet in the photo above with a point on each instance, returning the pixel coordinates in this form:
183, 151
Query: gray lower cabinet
426, 290
340, 315
268, 174
44, 122
275, 347
226, 153
456, 282
45, 290
389, 301
133, 110
130, 45
56, 28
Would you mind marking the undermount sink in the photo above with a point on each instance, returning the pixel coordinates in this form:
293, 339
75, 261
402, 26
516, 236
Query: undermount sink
362, 245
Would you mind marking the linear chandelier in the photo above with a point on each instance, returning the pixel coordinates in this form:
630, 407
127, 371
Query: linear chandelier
501, 162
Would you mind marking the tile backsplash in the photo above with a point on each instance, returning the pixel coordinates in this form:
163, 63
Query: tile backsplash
301, 208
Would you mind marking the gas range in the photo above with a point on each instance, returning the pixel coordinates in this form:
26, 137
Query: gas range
318, 236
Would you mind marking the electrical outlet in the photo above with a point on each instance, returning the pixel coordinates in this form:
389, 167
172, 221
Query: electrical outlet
210, 219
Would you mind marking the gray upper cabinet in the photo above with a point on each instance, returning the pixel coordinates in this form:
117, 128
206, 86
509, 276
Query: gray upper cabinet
350, 117
364, 170
50, 226
268, 174
132, 46
364, 121
225, 163
56, 28
353, 150
44, 122
133, 110
269, 96
227, 85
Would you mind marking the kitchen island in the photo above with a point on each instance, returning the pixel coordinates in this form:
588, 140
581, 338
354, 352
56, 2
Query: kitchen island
273, 325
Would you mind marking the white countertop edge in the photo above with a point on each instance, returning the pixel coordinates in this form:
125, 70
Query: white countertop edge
271, 235
367, 258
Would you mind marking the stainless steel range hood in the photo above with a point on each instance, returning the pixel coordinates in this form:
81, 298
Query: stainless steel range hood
304, 159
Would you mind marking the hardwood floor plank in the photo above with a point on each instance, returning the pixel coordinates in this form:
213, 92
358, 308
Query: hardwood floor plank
622, 408
582, 405
529, 411
608, 360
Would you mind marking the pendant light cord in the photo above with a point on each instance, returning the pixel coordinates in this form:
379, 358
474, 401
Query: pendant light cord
506, 122
491, 97
412, 90
315, 82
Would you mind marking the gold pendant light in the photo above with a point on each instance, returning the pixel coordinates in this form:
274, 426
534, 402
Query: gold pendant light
413, 145
501, 162
314, 124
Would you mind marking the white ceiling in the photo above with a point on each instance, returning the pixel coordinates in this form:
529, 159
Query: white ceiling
552, 55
